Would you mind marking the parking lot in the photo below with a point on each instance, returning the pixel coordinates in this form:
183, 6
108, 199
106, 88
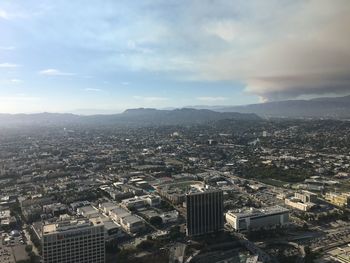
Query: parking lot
6, 255
12, 248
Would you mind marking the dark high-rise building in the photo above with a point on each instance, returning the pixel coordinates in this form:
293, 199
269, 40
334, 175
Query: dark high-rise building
204, 212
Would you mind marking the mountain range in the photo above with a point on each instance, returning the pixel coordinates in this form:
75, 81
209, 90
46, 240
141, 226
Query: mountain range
328, 108
134, 117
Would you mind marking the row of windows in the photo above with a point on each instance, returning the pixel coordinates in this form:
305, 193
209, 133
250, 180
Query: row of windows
89, 260
98, 241
68, 249
71, 235
73, 252
75, 239
76, 258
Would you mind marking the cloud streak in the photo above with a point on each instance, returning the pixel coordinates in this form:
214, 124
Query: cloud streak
8, 65
55, 72
93, 89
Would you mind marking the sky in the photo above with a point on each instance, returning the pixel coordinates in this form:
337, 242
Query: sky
102, 56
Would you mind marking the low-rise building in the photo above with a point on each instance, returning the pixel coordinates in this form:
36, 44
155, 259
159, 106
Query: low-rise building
117, 214
255, 219
107, 207
337, 199
297, 204
55, 209
133, 203
169, 217
88, 211
112, 231
306, 196
151, 200
132, 224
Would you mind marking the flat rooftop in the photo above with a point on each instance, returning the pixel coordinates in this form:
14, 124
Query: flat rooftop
68, 225
185, 187
258, 212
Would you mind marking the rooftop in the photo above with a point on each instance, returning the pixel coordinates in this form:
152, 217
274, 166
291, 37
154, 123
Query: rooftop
71, 224
257, 212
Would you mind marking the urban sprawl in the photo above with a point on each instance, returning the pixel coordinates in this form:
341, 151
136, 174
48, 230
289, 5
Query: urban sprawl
227, 191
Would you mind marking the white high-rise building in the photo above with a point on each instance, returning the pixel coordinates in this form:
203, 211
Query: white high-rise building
74, 241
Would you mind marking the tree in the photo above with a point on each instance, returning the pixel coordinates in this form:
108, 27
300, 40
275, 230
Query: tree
305, 227
146, 244
29, 248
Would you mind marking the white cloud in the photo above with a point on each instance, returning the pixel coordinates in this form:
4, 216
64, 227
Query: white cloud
4, 14
55, 72
227, 30
16, 81
211, 99
8, 65
92, 89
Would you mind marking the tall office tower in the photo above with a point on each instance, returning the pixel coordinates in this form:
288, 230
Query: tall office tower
72, 241
204, 212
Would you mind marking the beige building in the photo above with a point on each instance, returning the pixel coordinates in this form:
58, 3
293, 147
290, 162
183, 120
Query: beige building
72, 241
341, 200
297, 204
306, 197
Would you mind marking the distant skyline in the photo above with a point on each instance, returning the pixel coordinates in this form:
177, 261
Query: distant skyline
107, 55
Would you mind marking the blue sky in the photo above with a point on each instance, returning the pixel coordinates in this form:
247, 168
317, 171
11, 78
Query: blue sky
61, 55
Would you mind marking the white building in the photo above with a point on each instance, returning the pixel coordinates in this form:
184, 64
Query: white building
133, 203
117, 214
151, 200
88, 211
141, 201
107, 206
132, 224
297, 204
79, 240
306, 197
255, 219
169, 217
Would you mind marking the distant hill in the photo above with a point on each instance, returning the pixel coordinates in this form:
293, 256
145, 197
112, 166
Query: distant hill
135, 117
335, 108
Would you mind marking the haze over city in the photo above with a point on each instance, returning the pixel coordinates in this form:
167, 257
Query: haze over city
174, 131
108, 56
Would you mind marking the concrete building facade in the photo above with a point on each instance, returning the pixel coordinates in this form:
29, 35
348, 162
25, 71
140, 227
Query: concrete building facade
255, 219
74, 241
